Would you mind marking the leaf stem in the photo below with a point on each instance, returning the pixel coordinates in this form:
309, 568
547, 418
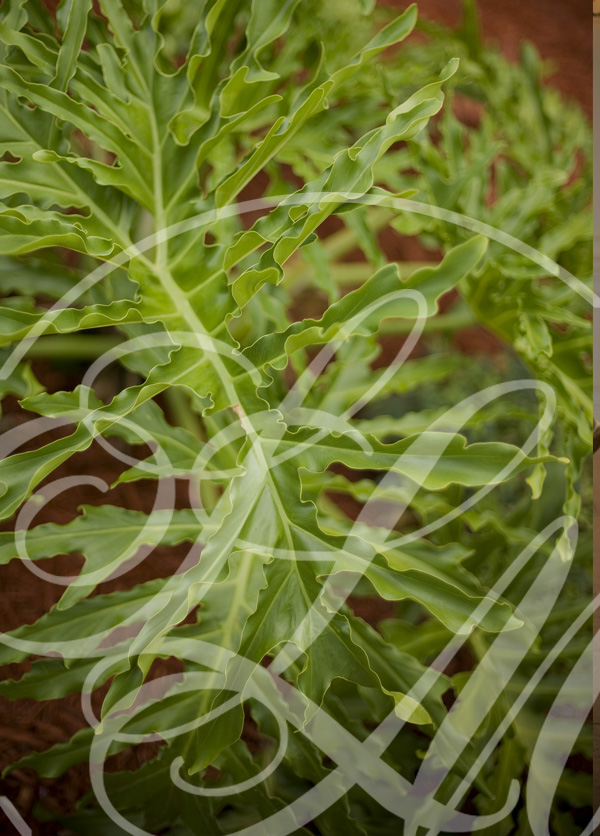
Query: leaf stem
73, 347
183, 415
452, 321
338, 245
348, 273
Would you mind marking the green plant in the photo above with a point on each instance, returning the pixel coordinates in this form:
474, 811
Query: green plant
134, 138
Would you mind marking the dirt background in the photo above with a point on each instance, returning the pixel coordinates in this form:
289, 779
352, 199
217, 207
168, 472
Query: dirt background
560, 29
562, 32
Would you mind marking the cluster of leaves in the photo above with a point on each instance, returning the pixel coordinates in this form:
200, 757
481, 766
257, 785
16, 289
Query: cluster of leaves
138, 136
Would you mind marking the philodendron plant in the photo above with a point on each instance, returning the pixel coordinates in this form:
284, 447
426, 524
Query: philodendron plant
183, 186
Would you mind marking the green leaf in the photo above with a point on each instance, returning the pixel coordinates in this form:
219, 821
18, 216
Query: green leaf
79, 630
25, 230
361, 311
74, 15
195, 154
107, 536
51, 679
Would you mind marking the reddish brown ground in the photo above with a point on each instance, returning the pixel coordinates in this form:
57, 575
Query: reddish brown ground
561, 29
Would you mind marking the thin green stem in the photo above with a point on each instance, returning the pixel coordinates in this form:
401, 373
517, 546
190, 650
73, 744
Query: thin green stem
337, 246
452, 321
348, 273
182, 414
71, 346
343, 242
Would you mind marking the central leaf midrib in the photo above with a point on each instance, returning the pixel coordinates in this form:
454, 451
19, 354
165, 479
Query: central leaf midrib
109, 531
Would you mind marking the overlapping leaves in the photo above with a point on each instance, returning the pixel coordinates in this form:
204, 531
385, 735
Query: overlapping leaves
127, 139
